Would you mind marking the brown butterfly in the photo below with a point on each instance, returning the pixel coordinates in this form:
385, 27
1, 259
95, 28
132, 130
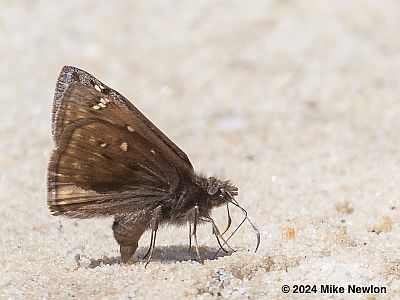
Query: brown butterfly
110, 160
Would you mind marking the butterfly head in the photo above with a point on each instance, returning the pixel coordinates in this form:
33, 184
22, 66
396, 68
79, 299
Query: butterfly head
220, 192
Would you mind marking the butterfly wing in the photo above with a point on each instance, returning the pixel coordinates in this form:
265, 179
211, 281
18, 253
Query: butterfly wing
109, 159
70, 74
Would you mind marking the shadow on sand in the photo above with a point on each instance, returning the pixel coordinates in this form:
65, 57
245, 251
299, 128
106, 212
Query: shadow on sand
164, 254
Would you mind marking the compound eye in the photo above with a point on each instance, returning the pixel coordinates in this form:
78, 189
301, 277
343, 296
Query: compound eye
213, 190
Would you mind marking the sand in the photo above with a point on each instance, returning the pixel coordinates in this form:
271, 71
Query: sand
297, 102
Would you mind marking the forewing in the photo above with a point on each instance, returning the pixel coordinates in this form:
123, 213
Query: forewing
70, 74
107, 160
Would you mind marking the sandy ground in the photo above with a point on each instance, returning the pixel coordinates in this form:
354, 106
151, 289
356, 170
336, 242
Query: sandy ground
297, 102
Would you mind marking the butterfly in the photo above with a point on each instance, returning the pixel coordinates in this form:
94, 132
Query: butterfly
109, 160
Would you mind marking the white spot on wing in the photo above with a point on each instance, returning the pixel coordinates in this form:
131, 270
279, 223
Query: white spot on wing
130, 129
97, 87
152, 151
124, 146
103, 145
102, 103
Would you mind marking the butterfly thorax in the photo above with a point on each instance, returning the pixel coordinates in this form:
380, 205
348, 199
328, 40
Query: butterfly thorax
205, 193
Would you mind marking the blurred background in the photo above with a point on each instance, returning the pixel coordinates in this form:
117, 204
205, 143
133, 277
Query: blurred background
297, 102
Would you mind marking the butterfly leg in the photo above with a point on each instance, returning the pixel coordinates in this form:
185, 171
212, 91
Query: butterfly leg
194, 233
155, 221
151, 244
127, 237
190, 237
228, 225
217, 234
